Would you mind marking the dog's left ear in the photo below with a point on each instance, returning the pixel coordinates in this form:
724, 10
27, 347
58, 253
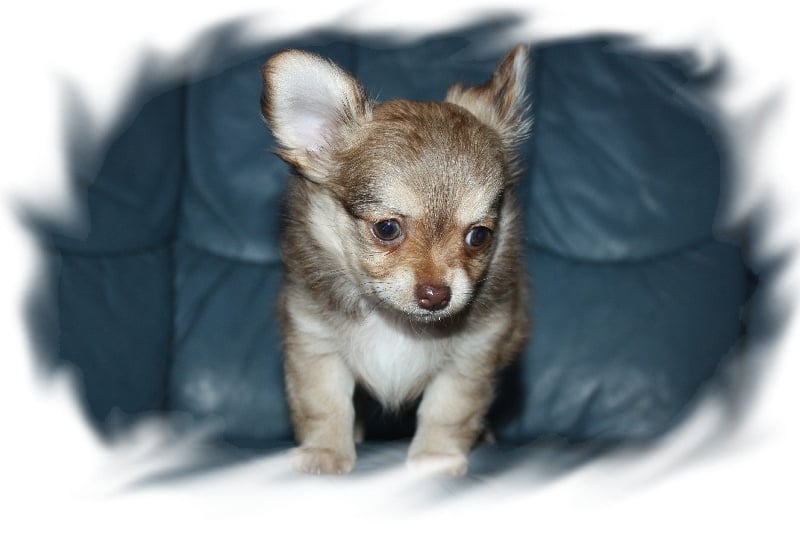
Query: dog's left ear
501, 102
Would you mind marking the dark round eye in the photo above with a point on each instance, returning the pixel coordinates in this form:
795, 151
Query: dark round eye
387, 230
478, 236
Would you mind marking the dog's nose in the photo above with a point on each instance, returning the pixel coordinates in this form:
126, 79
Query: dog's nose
433, 297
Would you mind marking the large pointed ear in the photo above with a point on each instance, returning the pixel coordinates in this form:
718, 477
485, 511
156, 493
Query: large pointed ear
312, 106
501, 102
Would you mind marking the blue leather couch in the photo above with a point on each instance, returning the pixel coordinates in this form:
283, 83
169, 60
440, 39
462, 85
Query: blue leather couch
167, 305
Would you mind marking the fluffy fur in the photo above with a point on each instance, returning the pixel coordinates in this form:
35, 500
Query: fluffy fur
402, 254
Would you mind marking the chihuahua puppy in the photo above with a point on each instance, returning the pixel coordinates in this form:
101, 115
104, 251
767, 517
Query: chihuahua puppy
402, 254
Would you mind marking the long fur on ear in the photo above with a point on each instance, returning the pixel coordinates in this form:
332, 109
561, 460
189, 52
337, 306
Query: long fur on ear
501, 102
311, 105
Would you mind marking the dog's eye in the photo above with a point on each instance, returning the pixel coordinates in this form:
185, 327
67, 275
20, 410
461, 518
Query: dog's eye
478, 237
387, 230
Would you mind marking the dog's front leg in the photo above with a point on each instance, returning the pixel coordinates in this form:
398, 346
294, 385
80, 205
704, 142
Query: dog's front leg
449, 420
320, 394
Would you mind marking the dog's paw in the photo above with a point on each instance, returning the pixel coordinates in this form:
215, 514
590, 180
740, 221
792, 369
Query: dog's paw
452, 464
322, 461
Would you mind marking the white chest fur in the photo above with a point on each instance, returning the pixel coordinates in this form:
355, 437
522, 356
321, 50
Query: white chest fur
391, 361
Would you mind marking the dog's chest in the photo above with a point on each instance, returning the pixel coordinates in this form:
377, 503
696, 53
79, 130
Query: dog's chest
394, 364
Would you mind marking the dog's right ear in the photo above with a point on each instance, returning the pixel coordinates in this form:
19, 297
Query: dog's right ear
312, 106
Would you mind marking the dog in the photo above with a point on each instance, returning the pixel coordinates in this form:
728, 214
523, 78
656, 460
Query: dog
402, 253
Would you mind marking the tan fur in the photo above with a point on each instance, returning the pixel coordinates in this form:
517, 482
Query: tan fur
350, 308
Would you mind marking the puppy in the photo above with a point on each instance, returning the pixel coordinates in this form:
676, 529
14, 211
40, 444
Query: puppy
402, 254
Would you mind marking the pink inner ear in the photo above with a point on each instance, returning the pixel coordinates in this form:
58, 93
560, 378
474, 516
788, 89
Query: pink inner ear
310, 130
309, 118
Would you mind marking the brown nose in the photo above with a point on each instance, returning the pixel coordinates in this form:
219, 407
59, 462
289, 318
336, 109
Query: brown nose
433, 297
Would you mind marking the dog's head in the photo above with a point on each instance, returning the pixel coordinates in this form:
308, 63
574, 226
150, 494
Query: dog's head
410, 195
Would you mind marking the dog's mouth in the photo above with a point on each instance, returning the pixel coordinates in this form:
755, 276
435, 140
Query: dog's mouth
422, 306
428, 316
413, 312
420, 320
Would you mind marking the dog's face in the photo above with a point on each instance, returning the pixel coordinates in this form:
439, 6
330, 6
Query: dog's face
415, 189
423, 184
